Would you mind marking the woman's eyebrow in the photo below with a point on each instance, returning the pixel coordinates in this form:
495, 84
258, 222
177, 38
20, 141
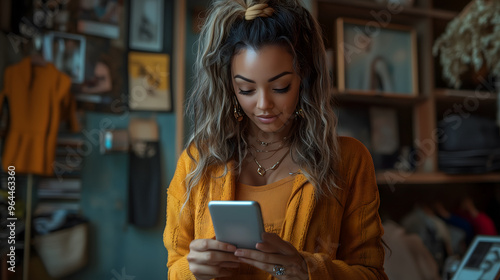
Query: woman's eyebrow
270, 80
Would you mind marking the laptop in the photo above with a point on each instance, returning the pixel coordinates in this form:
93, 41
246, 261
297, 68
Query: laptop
481, 261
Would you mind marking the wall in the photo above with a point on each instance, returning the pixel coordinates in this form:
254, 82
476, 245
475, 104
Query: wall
117, 249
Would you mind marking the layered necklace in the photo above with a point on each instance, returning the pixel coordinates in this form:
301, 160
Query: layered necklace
260, 169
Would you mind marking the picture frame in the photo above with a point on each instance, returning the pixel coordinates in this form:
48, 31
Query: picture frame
376, 60
104, 85
149, 82
67, 52
100, 18
146, 25
481, 261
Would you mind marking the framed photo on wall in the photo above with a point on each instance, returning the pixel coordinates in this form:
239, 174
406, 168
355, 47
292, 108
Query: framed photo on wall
375, 59
149, 81
100, 18
103, 87
67, 52
146, 25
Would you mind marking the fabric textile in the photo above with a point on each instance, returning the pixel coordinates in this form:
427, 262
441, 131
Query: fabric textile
144, 183
481, 223
39, 98
272, 199
338, 237
409, 258
433, 235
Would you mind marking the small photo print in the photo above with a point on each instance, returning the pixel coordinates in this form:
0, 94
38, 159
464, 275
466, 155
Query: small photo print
67, 53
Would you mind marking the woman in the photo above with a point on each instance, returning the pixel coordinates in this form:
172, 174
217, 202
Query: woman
264, 130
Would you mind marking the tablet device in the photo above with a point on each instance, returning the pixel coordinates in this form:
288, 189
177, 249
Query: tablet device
237, 222
481, 261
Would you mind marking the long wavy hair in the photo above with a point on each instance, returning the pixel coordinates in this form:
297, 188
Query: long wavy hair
217, 136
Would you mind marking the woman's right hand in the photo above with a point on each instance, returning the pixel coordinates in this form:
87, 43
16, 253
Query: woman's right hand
209, 258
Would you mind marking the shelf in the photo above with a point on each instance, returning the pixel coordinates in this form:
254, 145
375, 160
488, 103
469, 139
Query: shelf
452, 94
413, 11
395, 177
378, 98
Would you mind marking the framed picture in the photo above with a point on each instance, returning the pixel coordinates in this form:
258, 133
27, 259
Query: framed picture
103, 85
146, 25
100, 18
376, 60
67, 53
481, 261
149, 82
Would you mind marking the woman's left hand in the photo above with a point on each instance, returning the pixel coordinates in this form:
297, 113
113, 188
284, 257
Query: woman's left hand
276, 256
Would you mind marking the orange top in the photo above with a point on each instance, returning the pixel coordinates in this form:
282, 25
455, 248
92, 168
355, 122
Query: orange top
38, 97
272, 199
339, 238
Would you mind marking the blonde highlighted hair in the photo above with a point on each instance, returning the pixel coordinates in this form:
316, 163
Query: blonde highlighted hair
217, 137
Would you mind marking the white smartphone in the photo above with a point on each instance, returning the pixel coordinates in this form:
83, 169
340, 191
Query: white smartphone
237, 222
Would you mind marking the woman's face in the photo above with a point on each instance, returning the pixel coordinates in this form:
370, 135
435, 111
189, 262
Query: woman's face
266, 86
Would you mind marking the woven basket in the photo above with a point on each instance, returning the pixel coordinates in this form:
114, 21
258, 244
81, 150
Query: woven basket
63, 252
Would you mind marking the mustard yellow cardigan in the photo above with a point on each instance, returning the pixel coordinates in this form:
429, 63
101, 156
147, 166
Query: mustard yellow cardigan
337, 240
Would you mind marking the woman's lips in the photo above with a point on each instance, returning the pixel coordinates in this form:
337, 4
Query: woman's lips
266, 119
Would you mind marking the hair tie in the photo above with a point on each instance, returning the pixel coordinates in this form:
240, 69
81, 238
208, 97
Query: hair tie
258, 10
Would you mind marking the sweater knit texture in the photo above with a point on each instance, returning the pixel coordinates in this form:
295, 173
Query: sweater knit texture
339, 238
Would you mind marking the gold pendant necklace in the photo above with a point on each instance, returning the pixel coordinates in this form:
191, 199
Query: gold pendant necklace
262, 171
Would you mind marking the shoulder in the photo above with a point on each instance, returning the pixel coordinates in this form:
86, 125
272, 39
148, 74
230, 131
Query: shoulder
188, 157
177, 187
351, 148
354, 159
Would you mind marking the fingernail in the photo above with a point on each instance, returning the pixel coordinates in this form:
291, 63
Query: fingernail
238, 253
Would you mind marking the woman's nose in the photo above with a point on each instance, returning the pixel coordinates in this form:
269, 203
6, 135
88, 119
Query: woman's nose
264, 101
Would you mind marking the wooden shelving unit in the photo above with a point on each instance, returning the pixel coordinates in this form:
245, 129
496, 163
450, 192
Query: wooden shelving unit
394, 177
453, 95
429, 19
410, 10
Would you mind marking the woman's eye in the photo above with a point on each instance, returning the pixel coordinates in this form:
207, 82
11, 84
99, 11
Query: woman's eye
282, 90
245, 92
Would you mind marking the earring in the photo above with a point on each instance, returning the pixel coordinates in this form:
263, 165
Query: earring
300, 113
238, 115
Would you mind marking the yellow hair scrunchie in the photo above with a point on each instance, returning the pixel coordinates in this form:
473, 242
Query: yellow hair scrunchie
258, 10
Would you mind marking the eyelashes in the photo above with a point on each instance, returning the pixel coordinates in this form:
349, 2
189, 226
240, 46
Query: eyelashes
282, 90
277, 90
245, 92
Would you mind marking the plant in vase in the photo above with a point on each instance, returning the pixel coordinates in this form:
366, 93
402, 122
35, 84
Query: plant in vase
472, 39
